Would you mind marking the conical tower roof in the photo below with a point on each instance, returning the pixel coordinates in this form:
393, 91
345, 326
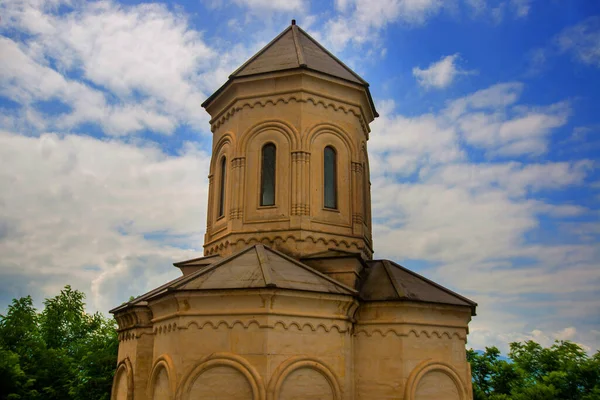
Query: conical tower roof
293, 49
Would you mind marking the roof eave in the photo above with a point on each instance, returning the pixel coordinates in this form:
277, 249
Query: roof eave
365, 85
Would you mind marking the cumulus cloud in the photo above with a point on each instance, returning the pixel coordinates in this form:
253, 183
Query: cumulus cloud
476, 222
124, 68
439, 74
92, 213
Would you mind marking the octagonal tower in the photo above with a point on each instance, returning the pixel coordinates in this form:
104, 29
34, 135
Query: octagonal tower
289, 167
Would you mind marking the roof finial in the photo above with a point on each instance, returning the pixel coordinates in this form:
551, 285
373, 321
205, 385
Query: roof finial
293, 22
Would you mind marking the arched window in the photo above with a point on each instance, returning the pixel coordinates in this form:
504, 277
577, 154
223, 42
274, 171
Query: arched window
330, 177
222, 187
267, 175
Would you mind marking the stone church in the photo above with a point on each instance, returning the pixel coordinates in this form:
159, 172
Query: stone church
288, 302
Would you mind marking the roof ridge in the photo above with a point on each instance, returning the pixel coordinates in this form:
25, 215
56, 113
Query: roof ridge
395, 285
265, 265
310, 269
299, 49
361, 80
211, 267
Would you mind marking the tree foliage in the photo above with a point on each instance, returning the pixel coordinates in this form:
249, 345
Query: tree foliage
60, 353
563, 371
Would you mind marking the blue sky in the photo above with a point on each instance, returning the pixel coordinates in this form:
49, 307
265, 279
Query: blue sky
484, 161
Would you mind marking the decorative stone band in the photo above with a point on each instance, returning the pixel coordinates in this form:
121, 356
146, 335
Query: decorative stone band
429, 332
281, 239
357, 218
285, 98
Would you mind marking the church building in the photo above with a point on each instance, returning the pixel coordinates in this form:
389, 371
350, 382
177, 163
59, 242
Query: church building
287, 301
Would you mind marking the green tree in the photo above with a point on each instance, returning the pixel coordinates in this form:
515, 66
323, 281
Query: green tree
60, 353
563, 371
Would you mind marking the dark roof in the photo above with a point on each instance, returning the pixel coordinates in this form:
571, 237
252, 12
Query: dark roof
198, 262
257, 266
388, 281
292, 49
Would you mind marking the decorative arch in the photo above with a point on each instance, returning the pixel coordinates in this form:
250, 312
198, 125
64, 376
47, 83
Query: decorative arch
163, 362
290, 133
428, 366
335, 130
234, 361
124, 367
225, 140
294, 363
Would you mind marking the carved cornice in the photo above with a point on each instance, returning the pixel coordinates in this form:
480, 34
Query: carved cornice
286, 98
219, 245
398, 331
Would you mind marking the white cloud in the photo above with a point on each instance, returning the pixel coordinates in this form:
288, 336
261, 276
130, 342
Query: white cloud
476, 222
79, 210
361, 21
125, 68
582, 41
439, 74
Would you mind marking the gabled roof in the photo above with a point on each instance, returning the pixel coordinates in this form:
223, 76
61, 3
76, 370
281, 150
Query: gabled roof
292, 49
388, 281
257, 266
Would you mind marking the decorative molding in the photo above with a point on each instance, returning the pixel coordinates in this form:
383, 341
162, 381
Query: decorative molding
163, 362
300, 209
234, 361
236, 213
383, 332
357, 218
238, 162
297, 362
162, 329
132, 334
124, 367
430, 366
357, 167
300, 326
285, 99
217, 247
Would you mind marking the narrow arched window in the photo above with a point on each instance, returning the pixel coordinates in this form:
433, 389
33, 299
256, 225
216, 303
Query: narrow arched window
222, 187
330, 177
267, 175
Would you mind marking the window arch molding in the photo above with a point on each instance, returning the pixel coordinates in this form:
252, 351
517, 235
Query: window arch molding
165, 363
290, 133
234, 361
124, 371
328, 128
430, 366
268, 174
294, 363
